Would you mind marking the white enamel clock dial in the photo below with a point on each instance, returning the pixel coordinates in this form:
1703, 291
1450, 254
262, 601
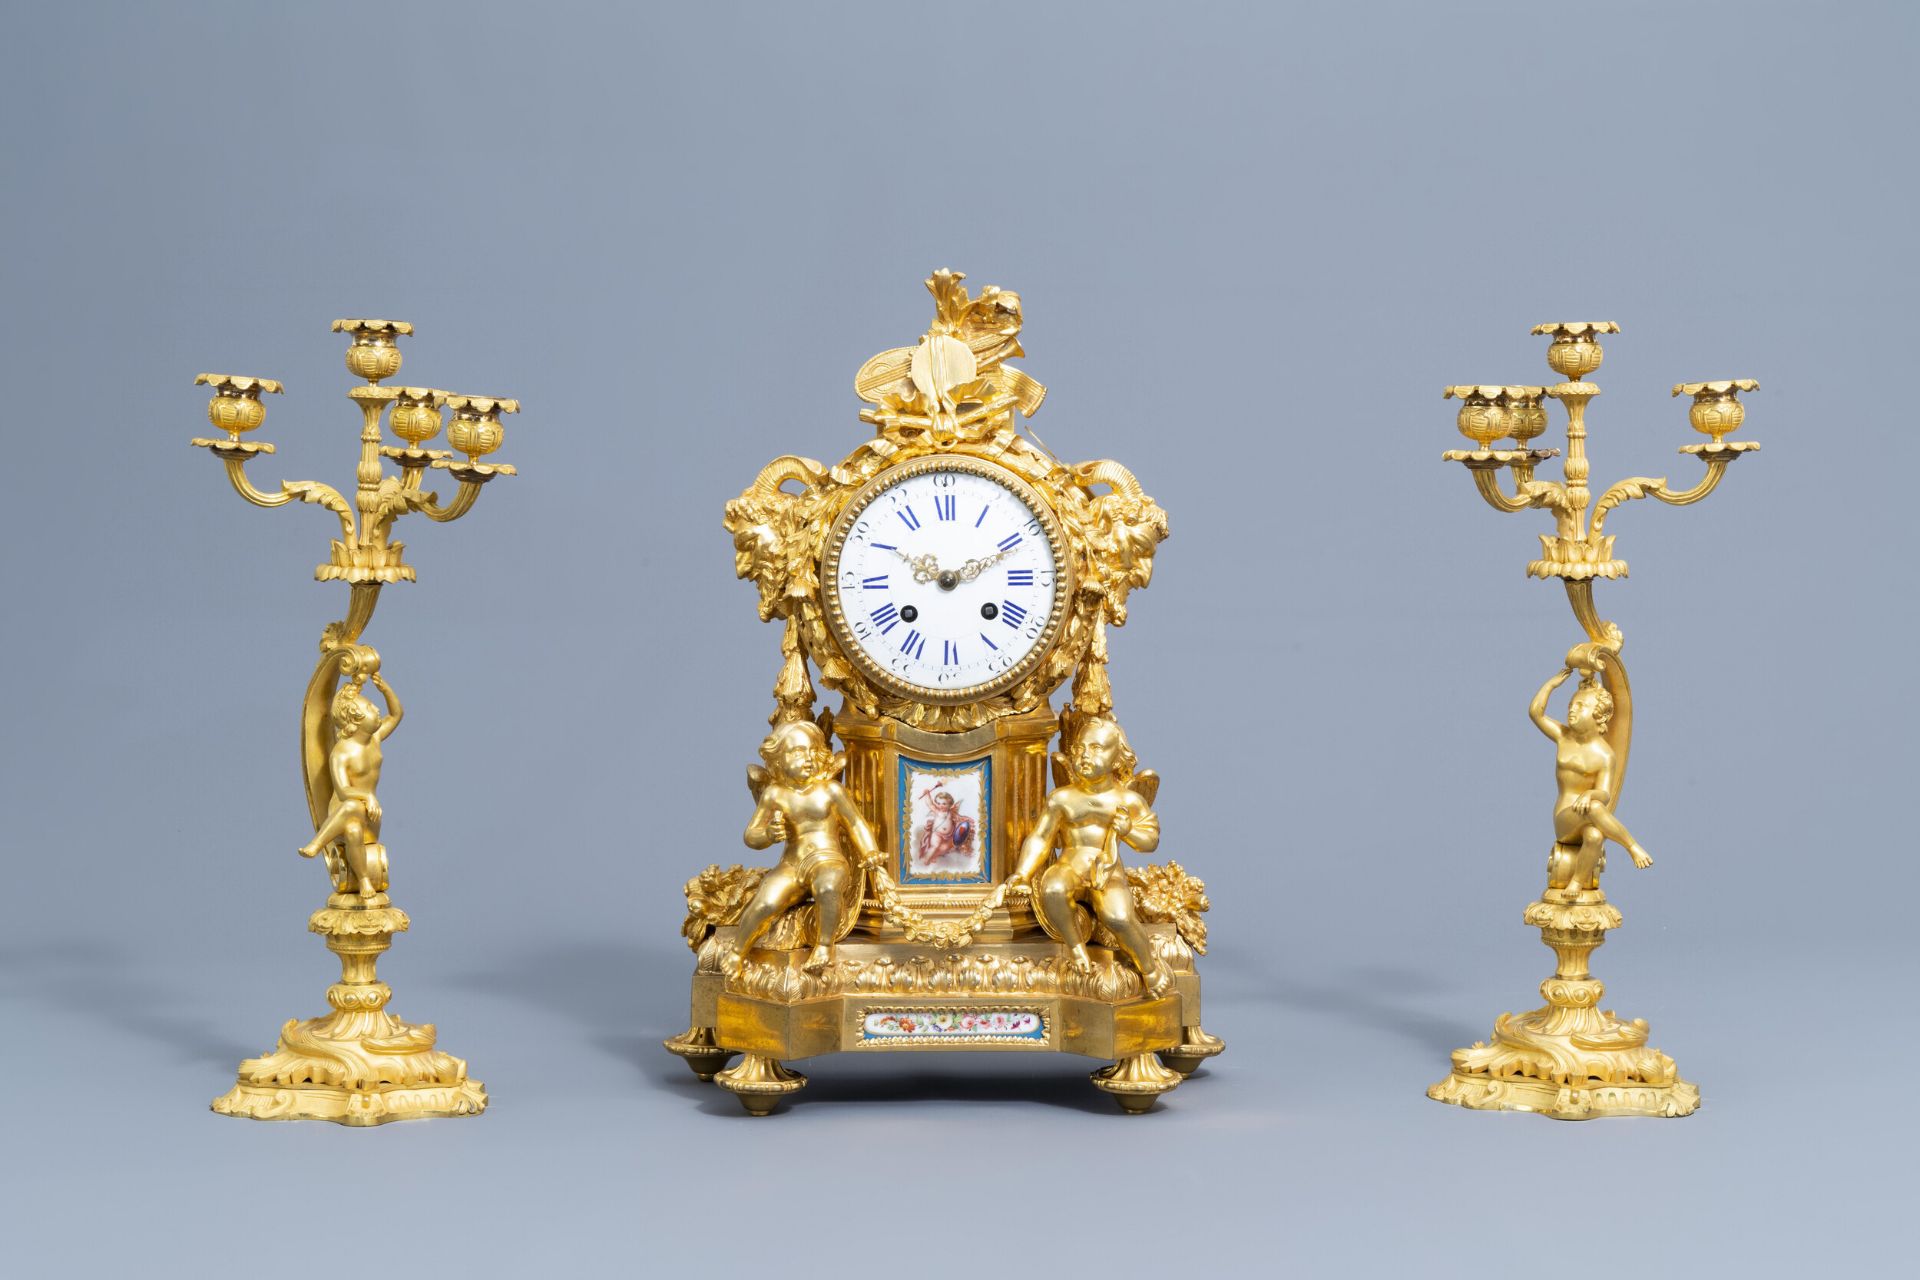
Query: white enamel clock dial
946, 579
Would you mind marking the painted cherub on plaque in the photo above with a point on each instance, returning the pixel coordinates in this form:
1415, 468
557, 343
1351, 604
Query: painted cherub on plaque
945, 807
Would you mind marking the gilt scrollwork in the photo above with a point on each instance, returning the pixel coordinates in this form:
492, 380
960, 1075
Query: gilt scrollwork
922, 405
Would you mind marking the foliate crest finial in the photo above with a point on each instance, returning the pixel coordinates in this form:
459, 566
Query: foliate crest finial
955, 375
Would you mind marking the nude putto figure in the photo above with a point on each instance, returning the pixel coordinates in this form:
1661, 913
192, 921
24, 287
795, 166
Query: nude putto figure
1584, 764
799, 799
1101, 805
353, 766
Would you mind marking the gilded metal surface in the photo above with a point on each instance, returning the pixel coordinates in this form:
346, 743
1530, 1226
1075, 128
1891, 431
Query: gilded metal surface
1099, 803
927, 570
1571, 1059
778, 532
1040, 940
799, 801
359, 1065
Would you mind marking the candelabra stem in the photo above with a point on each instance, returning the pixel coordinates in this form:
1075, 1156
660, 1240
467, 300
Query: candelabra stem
1572, 514
369, 472
1598, 629
360, 605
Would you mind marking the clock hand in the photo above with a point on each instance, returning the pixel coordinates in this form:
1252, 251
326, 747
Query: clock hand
974, 568
925, 568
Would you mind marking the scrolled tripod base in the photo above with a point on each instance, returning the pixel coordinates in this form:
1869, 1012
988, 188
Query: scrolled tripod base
1567, 1075
760, 1083
358, 1065
355, 1107
1136, 1081
1571, 1059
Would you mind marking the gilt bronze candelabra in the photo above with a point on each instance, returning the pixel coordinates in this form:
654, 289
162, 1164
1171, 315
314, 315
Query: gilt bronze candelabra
1571, 1059
358, 1065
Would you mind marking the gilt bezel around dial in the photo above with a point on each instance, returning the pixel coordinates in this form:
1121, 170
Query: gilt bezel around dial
842, 629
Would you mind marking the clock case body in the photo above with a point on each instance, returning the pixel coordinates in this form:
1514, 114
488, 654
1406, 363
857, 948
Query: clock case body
1012, 987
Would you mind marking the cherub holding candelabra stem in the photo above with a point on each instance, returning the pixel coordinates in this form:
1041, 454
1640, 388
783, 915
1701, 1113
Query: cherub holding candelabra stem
1585, 767
353, 765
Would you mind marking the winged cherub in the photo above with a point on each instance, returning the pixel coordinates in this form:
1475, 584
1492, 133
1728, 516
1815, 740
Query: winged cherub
1100, 804
799, 799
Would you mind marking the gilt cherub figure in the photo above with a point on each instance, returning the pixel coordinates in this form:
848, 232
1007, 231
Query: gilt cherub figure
799, 800
350, 834
1099, 802
1586, 765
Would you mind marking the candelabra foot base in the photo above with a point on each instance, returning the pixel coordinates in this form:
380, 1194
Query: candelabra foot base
1195, 1047
1570, 1059
356, 1108
697, 1048
1567, 1064
359, 1068
1136, 1082
358, 1065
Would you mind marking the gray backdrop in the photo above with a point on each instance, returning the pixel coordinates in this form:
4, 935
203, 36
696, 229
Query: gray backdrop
1254, 243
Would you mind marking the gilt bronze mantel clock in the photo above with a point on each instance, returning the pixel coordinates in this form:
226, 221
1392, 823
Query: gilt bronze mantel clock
931, 892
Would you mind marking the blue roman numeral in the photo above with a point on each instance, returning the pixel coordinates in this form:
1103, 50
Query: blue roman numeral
949, 652
906, 514
1012, 614
914, 645
884, 546
876, 583
982, 516
887, 616
945, 506
1019, 577
990, 644
1009, 542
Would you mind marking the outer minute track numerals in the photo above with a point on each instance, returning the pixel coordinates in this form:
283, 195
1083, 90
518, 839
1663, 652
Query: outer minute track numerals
945, 579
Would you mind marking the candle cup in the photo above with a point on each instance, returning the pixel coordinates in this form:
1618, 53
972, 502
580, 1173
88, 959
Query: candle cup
475, 429
416, 414
236, 406
1575, 351
374, 353
1716, 410
1527, 415
1484, 416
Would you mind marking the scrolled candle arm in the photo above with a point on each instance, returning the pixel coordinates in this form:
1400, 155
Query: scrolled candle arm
413, 463
1528, 492
1634, 487
428, 503
290, 490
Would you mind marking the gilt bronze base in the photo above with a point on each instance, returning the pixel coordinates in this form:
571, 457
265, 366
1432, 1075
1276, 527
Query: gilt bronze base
1012, 996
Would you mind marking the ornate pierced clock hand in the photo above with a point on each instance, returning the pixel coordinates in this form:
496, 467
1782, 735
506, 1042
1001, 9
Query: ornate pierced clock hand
974, 568
925, 568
